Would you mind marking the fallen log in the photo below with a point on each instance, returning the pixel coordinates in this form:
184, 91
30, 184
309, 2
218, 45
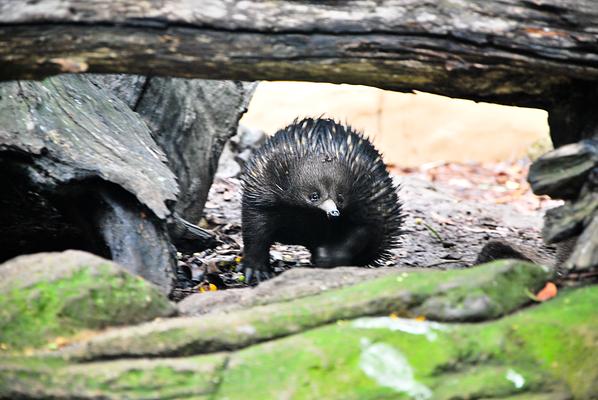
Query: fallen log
509, 51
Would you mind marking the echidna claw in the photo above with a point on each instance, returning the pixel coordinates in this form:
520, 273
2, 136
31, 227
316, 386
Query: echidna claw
254, 276
248, 275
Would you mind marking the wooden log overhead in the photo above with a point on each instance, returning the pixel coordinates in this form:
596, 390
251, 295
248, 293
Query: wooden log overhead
522, 52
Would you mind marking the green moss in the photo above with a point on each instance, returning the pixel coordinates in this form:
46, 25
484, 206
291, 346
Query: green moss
541, 352
552, 347
438, 295
190, 378
486, 292
165, 380
87, 299
29, 372
563, 337
505, 284
489, 381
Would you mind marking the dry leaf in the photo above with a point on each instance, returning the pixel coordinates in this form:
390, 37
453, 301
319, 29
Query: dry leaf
548, 292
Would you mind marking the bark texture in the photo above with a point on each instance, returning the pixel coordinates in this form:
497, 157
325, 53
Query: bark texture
540, 53
191, 120
81, 170
508, 51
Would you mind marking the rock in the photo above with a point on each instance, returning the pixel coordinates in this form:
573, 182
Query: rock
292, 284
476, 297
585, 255
443, 295
46, 295
543, 352
169, 378
502, 249
562, 172
569, 220
571, 173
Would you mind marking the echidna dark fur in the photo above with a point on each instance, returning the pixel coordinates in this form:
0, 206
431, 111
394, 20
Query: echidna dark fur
322, 185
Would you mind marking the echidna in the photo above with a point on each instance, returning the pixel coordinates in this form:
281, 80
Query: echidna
322, 185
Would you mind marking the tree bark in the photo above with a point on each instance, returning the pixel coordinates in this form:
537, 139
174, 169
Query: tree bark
81, 170
506, 51
191, 120
573, 113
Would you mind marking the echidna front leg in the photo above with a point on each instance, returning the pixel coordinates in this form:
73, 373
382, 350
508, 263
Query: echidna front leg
257, 239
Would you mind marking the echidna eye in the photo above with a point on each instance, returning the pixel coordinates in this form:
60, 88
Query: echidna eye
315, 196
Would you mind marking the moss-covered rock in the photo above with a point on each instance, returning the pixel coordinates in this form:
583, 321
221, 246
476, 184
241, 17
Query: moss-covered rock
168, 378
547, 351
373, 340
46, 295
479, 293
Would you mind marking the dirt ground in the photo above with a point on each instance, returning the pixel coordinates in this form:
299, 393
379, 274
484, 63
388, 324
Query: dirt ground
452, 210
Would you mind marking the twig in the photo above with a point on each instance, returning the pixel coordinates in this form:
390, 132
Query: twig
445, 262
433, 232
